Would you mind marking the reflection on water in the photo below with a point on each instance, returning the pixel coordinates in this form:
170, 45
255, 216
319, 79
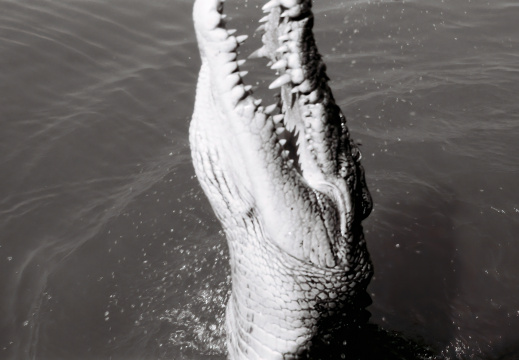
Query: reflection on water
108, 247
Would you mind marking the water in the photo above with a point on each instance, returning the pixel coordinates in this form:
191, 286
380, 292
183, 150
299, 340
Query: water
108, 247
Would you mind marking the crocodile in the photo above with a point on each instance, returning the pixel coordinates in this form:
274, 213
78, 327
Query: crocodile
286, 183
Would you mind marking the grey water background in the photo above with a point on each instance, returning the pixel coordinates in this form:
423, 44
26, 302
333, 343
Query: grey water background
108, 247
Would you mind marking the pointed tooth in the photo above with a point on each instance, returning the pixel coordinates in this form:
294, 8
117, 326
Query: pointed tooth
294, 61
282, 49
297, 76
248, 88
227, 56
232, 80
282, 142
219, 34
260, 28
280, 64
280, 130
257, 102
270, 5
229, 67
292, 11
314, 96
237, 93
283, 38
231, 31
290, 3
305, 86
264, 19
241, 62
280, 81
278, 118
212, 21
270, 109
241, 39
243, 73
285, 154
290, 163
261, 52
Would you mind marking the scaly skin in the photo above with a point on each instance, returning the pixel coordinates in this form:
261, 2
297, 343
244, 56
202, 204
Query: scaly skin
287, 185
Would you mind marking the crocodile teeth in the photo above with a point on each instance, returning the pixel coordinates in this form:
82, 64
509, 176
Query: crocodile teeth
257, 102
297, 76
237, 93
280, 130
264, 19
243, 73
261, 52
305, 86
290, 163
278, 118
285, 154
227, 56
270, 109
241, 39
280, 81
260, 28
283, 38
231, 31
314, 96
270, 5
232, 80
248, 88
282, 142
282, 49
280, 64
241, 62
230, 67
293, 61
290, 3
292, 11
213, 20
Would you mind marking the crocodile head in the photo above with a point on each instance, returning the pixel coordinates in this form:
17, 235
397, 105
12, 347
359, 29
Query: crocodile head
285, 181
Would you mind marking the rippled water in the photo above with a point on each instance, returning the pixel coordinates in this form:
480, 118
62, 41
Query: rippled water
108, 247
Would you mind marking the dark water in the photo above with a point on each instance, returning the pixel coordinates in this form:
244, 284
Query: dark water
108, 247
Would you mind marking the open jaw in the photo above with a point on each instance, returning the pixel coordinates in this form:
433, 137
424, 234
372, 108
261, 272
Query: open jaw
285, 181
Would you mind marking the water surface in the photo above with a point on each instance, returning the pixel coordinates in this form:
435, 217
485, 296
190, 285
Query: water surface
108, 247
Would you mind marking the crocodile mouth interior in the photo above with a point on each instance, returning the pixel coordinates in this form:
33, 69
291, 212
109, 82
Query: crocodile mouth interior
312, 142
300, 111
